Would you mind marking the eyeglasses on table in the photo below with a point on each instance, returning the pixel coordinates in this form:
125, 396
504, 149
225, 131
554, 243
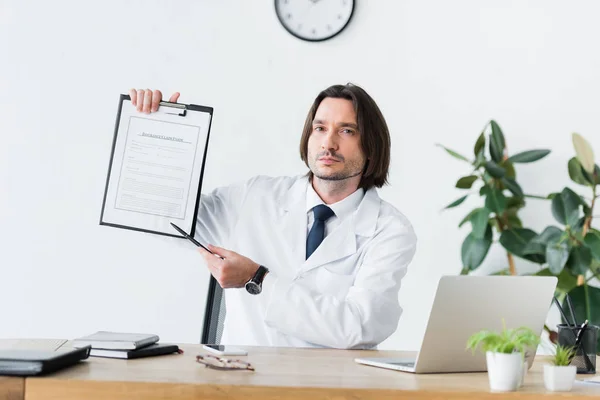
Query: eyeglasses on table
222, 363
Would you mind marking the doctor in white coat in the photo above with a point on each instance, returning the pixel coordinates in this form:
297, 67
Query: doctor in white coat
313, 260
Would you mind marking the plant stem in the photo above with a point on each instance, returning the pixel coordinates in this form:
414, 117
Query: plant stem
533, 196
511, 264
511, 261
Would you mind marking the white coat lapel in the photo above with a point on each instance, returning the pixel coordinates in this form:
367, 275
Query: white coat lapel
292, 218
342, 241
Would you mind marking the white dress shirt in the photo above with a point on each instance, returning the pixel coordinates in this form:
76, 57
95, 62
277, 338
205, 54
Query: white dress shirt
342, 209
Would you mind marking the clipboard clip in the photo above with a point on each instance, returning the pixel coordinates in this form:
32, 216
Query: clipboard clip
181, 107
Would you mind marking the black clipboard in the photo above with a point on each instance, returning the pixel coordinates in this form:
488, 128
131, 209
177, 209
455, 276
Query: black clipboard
182, 111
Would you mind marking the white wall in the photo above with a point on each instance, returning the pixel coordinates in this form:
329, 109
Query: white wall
438, 69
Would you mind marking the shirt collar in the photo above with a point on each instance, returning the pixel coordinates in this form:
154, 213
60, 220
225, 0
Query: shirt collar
342, 208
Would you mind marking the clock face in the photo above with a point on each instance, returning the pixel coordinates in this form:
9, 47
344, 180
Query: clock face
314, 20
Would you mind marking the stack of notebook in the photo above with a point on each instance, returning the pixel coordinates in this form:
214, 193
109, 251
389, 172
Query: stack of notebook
124, 345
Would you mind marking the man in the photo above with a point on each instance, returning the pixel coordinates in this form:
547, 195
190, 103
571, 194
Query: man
325, 253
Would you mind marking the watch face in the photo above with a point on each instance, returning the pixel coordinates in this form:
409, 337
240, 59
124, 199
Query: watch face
253, 288
314, 20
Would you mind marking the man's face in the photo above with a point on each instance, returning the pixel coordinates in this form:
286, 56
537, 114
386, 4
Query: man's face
334, 150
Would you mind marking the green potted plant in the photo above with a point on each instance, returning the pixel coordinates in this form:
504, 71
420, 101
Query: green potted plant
570, 251
505, 355
559, 375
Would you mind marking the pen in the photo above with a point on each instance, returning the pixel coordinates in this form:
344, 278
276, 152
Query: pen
191, 239
562, 312
571, 310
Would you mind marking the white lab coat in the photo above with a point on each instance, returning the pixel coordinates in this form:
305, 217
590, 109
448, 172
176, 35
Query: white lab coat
344, 296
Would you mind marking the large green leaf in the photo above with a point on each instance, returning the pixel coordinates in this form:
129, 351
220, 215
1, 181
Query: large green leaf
466, 182
479, 221
495, 201
513, 186
584, 152
565, 207
454, 153
497, 142
592, 240
536, 248
468, 217
529, 156
516, 240
576, 172
479, 144
582, 311
474, 250
557, 254
494, 169
550, 234
457, 202
580, 260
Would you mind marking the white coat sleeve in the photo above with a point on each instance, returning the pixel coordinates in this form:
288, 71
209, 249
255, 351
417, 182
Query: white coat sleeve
218, 212
369, 313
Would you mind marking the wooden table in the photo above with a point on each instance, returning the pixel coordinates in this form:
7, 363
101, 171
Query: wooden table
282, 373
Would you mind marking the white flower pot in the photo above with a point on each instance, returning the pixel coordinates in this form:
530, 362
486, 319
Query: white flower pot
559, 379
524, 374
505, 371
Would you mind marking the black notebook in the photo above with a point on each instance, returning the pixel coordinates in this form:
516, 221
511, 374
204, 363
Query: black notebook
156, 349
36, 362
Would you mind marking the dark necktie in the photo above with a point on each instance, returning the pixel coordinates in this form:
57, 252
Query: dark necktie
322, 213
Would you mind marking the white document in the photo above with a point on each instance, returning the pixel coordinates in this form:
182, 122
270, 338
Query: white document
156, 168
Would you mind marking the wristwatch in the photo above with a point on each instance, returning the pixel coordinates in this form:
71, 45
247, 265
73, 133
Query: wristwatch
254, 285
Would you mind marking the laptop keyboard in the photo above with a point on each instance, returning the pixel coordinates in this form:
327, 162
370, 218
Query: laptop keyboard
405, 364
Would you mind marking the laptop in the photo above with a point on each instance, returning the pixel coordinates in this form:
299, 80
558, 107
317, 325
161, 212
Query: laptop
466, 304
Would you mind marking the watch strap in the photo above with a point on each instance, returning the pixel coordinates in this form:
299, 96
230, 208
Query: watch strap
259, 276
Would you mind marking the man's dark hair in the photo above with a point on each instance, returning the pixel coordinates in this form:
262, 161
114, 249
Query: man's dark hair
374, 133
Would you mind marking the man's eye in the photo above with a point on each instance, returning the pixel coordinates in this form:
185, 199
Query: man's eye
318, 128
348, 131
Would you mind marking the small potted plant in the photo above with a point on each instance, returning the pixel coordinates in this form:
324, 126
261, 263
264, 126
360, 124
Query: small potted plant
505, 355
560, 375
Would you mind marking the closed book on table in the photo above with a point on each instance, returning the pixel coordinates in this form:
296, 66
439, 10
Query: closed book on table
36, 362
156, 349
116, 340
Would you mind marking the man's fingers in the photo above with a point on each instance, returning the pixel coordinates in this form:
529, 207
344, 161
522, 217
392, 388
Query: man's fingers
210, 258
147, 101
174, 97
221, 251
156, 99
140, 99
133, 96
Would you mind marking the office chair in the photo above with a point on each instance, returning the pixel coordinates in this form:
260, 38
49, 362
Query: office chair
214, 315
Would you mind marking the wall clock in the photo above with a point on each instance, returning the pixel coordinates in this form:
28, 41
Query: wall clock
314, 20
